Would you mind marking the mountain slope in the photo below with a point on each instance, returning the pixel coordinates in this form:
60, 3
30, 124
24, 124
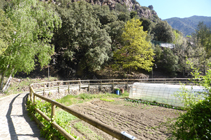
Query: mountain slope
188, 25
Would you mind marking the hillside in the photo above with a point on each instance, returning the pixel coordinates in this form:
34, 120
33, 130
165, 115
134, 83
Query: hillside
90, 34
130, 5
188, 25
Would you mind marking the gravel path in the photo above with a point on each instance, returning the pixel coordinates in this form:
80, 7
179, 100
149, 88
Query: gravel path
15, 124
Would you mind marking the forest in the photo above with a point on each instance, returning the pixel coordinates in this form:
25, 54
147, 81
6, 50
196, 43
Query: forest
81, 39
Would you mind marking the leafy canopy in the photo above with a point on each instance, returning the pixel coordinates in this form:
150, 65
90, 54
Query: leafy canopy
34, 23
84, 43
163, 32
111, 23
166, 60
6, 28
203, 35
137, 51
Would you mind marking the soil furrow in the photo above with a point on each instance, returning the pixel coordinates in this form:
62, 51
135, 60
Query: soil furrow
139, 120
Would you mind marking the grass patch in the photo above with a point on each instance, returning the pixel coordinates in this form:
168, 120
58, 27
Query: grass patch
84, 97
107, 100
87, 131
64, 116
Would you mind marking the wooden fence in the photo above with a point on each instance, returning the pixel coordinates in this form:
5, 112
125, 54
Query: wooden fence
102, 82
109, 130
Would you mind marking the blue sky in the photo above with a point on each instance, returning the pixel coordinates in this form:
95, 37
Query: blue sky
179, 8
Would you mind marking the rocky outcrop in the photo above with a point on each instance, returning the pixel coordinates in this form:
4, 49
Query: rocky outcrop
132, 5
147, 13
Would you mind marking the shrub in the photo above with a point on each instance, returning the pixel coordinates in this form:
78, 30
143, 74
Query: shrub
196, 123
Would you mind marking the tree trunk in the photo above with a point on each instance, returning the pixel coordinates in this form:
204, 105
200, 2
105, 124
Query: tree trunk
2, 80
7, 83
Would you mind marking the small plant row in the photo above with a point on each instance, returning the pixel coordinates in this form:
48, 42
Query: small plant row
153, 103
48, 131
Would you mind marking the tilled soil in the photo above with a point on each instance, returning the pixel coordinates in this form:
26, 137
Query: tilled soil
139, 120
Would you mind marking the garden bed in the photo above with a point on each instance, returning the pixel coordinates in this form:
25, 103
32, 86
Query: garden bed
137, 119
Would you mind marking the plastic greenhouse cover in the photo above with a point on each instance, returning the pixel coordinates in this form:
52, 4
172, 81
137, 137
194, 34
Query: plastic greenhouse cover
163, 93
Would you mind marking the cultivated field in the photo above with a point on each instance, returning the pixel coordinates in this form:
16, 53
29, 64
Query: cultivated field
145, 122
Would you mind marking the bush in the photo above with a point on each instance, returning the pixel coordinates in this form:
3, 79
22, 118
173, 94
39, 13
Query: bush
196, 123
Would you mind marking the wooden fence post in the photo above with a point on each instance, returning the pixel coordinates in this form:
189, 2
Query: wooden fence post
89, 86
101, 85
113, 85
127, 84
44, 91
79, 85
68, 89
58, 87
30, 93
34, 99
52, 111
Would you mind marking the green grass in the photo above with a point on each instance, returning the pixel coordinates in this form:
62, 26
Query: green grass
64, 119
86, 130
107, 100
64, 116
84, 97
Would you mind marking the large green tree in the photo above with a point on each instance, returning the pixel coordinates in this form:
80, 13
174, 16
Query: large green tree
166, 60
111, 23
2, 3
178, 37
34, 22
163, 32
147, 24
6, 29
137, 51
83, 42
203, 36
174, 60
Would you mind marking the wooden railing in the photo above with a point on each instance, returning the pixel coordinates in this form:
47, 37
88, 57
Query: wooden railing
103, 82
109, 130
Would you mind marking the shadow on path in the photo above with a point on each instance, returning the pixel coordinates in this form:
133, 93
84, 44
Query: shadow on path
32, 124
35, 134
13, 134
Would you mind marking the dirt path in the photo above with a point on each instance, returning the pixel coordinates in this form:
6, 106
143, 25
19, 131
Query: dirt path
14, 121
138, 120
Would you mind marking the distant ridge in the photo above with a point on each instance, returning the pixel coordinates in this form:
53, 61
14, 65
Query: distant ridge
188, 25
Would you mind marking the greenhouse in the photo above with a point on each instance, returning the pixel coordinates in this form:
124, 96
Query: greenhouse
162, 93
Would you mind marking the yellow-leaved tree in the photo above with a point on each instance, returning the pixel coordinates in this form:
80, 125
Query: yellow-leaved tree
137, 51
